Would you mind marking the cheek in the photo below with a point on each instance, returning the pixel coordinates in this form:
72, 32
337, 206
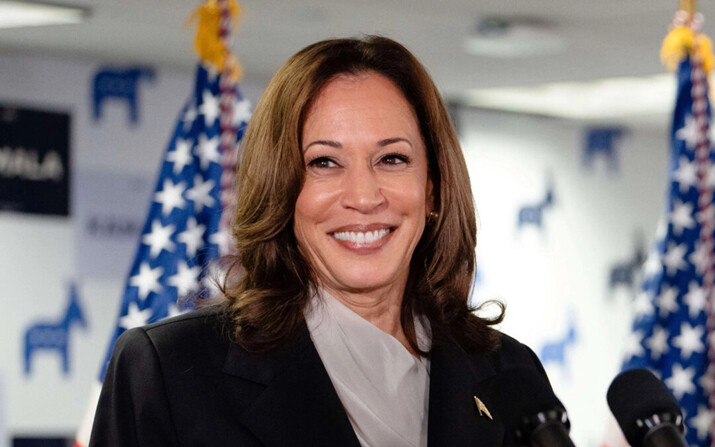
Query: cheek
304, 235
312, 203
302, 218
411, 195
311, 208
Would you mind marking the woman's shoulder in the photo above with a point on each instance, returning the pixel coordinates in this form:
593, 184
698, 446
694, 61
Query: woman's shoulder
198, 331
207, 318
511, 353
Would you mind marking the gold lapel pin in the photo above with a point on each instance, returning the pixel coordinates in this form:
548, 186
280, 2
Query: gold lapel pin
482, 408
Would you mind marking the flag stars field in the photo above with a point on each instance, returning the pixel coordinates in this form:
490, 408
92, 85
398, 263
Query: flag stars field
209, 108
188, 118
642, 305
633, 346
689, 341
652, 265
689, 132
696, 299
682, 217
181, 156
200, 193
658, 343
686, 175
186, 279
135, 317
241, 112
171, 196
147, 280
221, 238
699, 258
681, 381
702, 421
673, 259
192, 237
159, 239
667, 300
207, 151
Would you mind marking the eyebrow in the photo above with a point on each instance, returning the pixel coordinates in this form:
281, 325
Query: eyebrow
389, 141
337, 145
330, 143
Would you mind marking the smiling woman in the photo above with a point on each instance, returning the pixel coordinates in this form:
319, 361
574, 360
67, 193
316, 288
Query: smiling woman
327, 118
345, 318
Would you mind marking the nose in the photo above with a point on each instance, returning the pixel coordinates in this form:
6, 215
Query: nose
362, 191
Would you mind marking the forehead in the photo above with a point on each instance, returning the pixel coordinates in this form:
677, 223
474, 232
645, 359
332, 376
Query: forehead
361, 91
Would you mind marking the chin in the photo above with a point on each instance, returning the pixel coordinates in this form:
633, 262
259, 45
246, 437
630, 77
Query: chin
366, 280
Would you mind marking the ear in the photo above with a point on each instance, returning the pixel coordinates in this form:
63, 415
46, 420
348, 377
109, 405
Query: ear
429, 195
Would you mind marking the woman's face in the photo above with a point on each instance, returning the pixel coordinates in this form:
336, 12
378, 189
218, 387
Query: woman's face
366, 194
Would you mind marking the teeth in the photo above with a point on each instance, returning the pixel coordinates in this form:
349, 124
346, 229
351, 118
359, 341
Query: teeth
362, 238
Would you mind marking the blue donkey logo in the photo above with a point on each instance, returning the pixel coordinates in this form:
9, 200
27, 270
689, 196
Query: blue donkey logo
554, 351
533, 214
626, 273
122, 84
54, 336
602, 142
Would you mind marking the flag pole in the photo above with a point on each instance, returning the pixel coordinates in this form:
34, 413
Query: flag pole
689, 6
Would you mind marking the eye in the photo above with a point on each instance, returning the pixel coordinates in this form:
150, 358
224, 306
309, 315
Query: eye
395, 159
322, 162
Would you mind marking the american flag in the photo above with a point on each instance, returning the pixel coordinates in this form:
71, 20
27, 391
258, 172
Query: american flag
673, 311
183, 233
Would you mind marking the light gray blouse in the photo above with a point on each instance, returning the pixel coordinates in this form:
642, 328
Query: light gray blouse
383, 388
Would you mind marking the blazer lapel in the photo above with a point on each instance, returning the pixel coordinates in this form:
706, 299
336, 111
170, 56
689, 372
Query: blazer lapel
299, 405
455, 379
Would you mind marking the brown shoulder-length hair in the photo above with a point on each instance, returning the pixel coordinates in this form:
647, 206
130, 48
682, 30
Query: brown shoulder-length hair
269, 281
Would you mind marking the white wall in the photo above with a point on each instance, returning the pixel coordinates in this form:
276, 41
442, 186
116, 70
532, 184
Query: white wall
550, 277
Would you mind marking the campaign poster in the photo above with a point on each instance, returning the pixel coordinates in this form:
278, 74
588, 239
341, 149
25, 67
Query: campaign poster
34, 161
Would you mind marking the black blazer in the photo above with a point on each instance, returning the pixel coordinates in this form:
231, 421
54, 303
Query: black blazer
181, 382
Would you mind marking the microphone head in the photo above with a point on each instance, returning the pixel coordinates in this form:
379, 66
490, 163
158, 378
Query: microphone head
525, 400
636, 395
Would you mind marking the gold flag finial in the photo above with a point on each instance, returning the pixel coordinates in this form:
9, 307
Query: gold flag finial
685, 39
210, 42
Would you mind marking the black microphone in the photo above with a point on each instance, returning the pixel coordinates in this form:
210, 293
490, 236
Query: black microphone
533, 414
645, 409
